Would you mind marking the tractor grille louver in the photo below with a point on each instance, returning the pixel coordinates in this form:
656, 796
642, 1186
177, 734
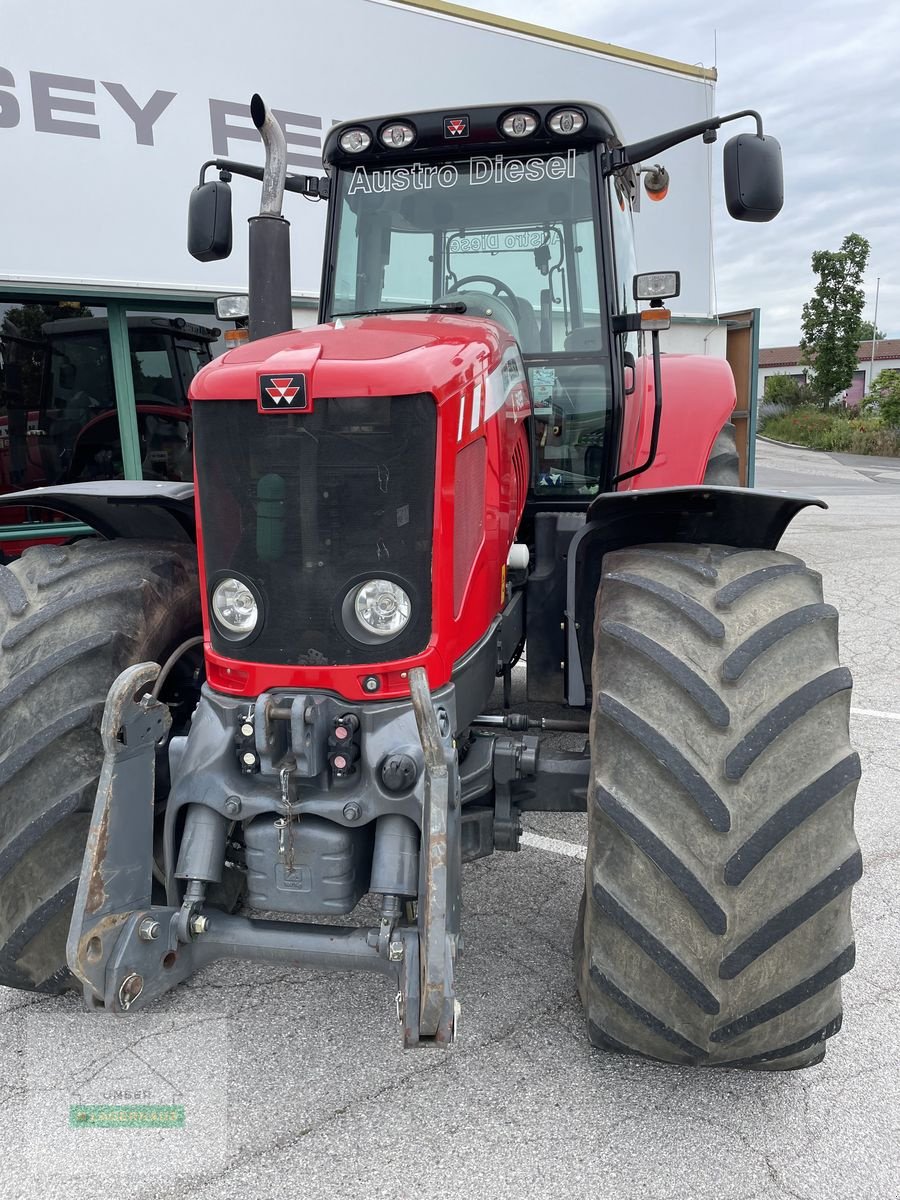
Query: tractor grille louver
468, 515
520, 471
308, 505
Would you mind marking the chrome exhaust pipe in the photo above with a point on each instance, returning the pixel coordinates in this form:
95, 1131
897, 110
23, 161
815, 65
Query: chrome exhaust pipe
276, 157
270, 239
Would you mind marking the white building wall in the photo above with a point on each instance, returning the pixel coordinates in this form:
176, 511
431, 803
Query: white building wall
108, 109
695, 337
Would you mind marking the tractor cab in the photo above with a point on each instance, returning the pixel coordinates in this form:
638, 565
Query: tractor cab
505, 215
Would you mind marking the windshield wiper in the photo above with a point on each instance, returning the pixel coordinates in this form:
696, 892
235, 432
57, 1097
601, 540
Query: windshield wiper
451, 306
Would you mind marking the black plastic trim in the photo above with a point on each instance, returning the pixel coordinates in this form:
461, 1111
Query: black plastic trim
118, 508
695, 515
474, 674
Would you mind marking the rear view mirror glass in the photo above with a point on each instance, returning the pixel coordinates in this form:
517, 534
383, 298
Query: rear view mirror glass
209, 221
754, 183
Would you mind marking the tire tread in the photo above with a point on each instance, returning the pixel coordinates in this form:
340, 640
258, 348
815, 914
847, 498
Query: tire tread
72, 618
716, 923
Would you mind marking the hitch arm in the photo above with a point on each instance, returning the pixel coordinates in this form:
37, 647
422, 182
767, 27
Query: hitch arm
117, 869
440, 867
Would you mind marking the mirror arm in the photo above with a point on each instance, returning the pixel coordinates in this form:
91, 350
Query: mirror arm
316, 187
636, 152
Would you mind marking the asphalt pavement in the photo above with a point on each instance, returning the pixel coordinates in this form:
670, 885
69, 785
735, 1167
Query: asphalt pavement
290, 1083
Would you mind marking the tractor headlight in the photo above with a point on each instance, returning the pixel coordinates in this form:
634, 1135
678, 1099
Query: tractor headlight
397, 135
567, 121
354, 141
234, 608
519, 124
378, 608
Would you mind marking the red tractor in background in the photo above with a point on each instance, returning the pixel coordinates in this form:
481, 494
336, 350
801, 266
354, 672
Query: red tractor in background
471, 451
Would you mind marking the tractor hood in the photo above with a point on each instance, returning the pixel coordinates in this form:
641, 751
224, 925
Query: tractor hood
368, 356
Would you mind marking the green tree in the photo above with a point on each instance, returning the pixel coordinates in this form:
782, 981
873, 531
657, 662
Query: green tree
868, 331
29, 320
832, 319
884, 396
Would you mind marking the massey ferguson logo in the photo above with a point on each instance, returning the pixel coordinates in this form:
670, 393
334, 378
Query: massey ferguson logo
283, 393
456, 127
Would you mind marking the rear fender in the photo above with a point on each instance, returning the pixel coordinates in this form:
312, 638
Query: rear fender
720, 516
698, 396
118, 508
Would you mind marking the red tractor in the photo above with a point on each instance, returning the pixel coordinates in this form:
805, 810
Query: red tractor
294, 666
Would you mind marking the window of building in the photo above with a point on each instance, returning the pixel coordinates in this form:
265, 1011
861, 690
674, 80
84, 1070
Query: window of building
64, 389
58, 418
166, 351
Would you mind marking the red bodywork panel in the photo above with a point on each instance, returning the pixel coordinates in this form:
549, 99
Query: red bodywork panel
473, 370
698, 398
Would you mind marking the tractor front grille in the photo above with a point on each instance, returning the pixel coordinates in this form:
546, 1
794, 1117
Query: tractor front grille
308, 505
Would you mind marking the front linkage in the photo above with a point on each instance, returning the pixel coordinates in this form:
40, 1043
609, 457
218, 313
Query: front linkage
126, 951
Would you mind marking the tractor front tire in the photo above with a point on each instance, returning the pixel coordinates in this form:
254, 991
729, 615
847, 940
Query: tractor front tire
715, 925
71, 619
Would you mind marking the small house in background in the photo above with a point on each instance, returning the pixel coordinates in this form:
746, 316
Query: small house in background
786, 360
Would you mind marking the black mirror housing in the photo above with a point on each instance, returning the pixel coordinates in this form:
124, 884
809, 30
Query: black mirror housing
209, 221
754, 180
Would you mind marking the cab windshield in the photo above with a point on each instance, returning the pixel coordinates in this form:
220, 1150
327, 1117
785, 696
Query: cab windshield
514, 238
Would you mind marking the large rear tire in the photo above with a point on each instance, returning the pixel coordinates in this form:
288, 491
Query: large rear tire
723, 467
71, 619
715, 925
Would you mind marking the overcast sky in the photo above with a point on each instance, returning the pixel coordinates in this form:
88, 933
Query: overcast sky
826, 79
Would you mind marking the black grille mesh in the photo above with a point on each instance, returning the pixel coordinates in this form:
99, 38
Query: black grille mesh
305, 505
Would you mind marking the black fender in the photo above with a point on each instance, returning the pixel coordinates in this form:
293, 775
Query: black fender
724, 516
118, 508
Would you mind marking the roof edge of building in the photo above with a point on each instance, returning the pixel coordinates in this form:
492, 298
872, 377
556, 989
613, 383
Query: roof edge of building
575, 41
886, 349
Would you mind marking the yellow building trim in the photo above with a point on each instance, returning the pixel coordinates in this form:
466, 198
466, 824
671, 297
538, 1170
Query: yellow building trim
508, 25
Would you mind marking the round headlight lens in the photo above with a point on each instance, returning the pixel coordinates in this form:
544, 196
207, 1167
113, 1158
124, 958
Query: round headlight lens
234, 607
354, 141
382, 607
519, 124
567, 120
397, 135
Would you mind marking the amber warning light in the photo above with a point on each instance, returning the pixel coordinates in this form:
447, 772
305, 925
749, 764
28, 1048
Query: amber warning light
656, 318
656, 182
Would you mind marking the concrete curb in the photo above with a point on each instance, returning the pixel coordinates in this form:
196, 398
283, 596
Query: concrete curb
830, 453
791, 445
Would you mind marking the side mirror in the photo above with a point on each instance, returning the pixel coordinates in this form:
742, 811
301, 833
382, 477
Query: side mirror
209, 221
754, 181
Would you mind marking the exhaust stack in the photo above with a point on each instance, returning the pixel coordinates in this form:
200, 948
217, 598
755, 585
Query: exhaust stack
270, 237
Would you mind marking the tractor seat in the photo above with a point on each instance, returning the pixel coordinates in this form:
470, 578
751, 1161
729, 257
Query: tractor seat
529, 332
586, 337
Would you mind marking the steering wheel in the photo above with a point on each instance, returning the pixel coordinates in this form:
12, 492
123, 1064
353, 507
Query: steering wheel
500, 288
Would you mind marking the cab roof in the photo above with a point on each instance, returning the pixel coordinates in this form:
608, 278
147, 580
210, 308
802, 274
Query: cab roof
482, 133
